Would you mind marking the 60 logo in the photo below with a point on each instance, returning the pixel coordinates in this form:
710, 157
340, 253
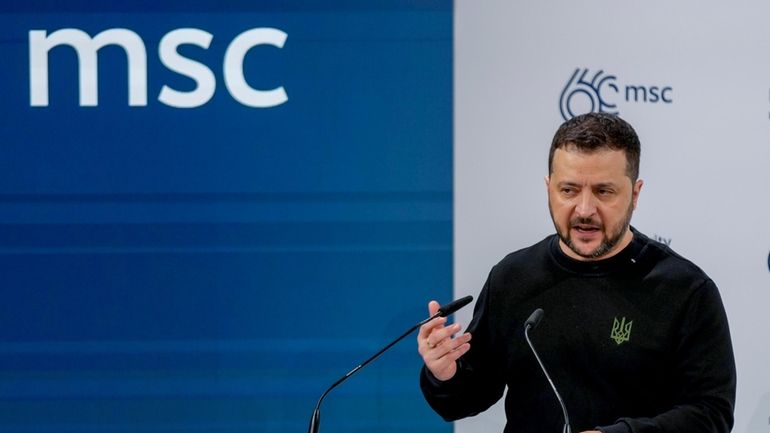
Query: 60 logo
588, 89
586, 92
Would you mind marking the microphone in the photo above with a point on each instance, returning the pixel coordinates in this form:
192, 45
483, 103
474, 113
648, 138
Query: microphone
531, 323
535, 318
446, 310
453, 306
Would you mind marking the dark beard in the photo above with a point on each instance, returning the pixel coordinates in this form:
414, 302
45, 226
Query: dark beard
607, 244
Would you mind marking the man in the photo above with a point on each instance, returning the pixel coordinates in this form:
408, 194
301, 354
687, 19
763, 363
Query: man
635, 336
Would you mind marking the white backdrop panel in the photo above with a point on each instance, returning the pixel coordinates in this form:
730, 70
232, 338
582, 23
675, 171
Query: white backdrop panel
705, 154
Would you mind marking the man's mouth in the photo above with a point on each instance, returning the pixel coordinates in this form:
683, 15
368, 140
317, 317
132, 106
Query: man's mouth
586, 228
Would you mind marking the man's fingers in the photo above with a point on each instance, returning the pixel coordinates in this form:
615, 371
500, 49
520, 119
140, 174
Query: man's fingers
428, 328
434, 334
447, 360
457, 352
425, 329
433, 307
437, 336
449, 346
439, 350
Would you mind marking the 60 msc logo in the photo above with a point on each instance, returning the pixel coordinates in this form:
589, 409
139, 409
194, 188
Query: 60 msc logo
87, 47
600, 92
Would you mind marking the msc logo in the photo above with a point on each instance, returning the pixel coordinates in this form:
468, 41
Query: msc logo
600, 93
87, 47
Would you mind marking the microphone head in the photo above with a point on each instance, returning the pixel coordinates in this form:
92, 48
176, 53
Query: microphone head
454, 306
534, 318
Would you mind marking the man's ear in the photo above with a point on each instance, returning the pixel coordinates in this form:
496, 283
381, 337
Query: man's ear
636, 190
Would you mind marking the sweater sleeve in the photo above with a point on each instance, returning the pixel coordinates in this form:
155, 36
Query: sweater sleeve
479, 381
705, 373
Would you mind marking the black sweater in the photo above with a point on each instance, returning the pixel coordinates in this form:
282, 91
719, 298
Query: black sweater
668, 367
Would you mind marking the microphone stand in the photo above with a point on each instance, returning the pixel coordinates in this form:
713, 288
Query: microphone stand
315, 420
532, 322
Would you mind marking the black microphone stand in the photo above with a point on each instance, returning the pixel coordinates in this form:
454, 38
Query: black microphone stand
315, 419
532, 322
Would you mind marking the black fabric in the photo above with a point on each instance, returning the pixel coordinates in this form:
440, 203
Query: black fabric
675, 373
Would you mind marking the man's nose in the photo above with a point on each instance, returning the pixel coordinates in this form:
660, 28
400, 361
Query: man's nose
586, 204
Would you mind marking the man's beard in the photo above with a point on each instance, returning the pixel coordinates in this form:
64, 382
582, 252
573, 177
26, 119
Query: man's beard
608, 242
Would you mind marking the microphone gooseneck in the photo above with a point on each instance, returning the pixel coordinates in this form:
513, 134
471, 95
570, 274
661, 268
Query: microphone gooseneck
531, 323
315, 419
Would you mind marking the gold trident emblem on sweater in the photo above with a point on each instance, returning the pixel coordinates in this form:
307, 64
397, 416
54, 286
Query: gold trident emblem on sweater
621, 331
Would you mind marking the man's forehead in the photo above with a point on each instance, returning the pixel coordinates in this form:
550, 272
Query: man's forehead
603, 162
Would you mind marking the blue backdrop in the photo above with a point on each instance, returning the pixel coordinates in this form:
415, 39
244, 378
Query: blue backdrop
214, 269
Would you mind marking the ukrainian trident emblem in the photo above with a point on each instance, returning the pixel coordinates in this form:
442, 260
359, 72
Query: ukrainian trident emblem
621, 331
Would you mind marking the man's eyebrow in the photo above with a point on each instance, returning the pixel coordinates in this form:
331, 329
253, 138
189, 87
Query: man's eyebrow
596, 185
606, 185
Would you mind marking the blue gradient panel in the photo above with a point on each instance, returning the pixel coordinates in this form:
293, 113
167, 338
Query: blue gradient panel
214, 269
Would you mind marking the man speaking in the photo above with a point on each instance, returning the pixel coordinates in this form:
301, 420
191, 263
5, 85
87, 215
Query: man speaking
635, 336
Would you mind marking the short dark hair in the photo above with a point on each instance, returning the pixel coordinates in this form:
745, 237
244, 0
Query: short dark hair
596, 131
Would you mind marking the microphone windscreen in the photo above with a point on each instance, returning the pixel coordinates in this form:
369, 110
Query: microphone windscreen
535, 318
454, 306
